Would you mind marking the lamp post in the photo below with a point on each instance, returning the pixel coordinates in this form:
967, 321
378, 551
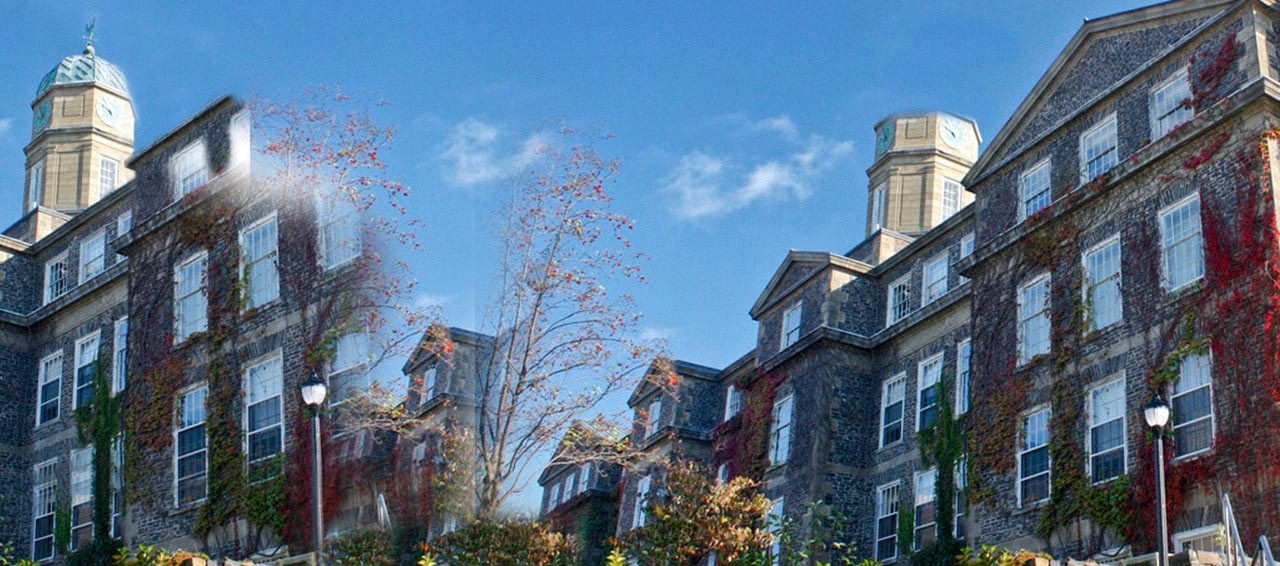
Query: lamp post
313, 393
1156, 413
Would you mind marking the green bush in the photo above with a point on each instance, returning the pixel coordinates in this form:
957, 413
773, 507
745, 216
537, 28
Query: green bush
366, 547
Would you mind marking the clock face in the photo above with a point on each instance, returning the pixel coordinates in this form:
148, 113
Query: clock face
110, 111
40, 119
884, 137
955, 132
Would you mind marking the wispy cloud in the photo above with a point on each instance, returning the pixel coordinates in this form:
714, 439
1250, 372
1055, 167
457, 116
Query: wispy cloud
656, 333
706, 185
429, 301
473, 152
6, 125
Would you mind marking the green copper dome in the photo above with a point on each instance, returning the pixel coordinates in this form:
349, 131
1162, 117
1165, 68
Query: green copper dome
84, 68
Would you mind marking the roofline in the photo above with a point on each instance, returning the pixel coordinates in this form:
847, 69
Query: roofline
217, 104
794, 256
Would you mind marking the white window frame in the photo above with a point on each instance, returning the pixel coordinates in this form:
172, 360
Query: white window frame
928, 377
108, 176
89, 343
124, 223
198, 294
893, 391
59, 286
732, 402
180, 426
35, 185
964, 371
898, 305
951, 191
272, 391
1025, 447
429, 380
120, 355
934, 278
1091, 414
353, 345
653, 416
240, 133
44, 506
1092, 258
51, 369
1201, 363
780, 430
879, 200
81, 491
1037, 178
189, 168
93, 255
887, 501
1196, 233
639, 515
966, 245
777, 516
1025, 354
1102, 142
792, 318
925, 495
270, 287
339, 228
1167, 112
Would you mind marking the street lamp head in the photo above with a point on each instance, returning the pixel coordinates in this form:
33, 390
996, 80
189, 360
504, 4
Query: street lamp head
314, 390
1156, 412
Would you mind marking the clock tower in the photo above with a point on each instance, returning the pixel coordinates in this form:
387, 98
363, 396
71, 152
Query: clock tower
81, 134
920, 161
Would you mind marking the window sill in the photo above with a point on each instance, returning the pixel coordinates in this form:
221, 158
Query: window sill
1032, 507
1184, 289
1193, 456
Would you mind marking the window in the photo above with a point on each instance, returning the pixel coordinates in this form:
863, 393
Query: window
966, 250
124, 223
264, 432
120, 355
642, 499
1098, 149
950, 197
926, 511
588, 477
1102, 284
349, 351
191, 306
108, 176
887, 522
57, 279
891, 400
722, 473
878, 206
791, 325
258, 260
964, 354
899, 299
1106, 431
780, 431
1033, 458
962, 501
1203, 539
190, 169
1034, 186
86, 369
44, 505
555, 495
732, 402
1192, 406
93, 255
654, 418
81, 497
50, 388
339, 230
35, 185
777, 516
429, 384
935, 278
1170, 105
1033, 319
1180, 243
927, 392
240, 133
190, 463
117, 487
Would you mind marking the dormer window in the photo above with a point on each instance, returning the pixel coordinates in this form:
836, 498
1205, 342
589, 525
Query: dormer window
654, 417
190, 169
791, 325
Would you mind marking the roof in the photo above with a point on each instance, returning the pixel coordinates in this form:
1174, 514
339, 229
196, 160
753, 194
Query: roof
86, 68
810, 263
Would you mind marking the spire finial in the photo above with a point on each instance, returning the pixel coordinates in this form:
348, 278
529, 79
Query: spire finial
88, 36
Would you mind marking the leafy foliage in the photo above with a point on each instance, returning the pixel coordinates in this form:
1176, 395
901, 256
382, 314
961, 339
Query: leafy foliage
366, 547
499, 543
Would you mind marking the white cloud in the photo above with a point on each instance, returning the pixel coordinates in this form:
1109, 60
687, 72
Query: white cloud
6, 124
428, 301
705, 185
472, 149
655, 333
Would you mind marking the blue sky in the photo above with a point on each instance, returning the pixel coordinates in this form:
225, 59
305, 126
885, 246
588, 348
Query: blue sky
744, 129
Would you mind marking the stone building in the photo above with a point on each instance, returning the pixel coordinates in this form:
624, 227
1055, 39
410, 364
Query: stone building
580, 491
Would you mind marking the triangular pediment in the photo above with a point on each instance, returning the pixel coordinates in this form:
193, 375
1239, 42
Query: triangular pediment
798, 268
1102, 55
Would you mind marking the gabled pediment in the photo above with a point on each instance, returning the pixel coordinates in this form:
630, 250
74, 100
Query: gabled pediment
795, 270
1102, 55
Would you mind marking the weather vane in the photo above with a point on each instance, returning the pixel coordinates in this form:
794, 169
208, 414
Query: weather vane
88, 33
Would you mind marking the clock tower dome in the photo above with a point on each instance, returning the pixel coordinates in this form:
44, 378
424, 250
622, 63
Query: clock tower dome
915, 180
81, 134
